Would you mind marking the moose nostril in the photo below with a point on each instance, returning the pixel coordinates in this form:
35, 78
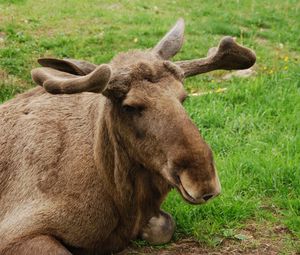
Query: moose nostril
207, 196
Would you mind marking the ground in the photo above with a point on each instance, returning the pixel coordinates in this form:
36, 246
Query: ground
254, 239
251, 120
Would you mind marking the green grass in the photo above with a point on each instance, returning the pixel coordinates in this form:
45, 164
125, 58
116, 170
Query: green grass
253, 128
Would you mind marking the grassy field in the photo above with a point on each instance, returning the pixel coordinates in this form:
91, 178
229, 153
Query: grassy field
253, 128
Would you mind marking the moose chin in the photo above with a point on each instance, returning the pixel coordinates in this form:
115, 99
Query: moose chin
89, 155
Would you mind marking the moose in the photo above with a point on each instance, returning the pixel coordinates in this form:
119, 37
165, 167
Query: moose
89, 155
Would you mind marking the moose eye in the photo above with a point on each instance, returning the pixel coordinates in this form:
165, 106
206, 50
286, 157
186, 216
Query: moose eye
132, 109
129, 109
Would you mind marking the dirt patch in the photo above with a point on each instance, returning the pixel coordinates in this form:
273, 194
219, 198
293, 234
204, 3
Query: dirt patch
256, 239
3, 75
12, 80
262, 40
245, 73
2, 39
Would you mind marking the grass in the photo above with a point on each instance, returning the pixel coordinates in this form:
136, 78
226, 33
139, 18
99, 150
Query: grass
253, 128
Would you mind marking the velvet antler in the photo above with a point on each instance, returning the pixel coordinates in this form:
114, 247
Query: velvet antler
57, 82
229, 56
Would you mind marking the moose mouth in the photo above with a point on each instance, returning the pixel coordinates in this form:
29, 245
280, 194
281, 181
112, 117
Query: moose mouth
184, 193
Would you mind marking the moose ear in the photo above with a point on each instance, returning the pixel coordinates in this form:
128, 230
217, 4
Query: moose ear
71, 66
171, 42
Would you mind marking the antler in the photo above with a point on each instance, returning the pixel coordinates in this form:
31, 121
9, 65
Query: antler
57, 82
72, 66
229, 56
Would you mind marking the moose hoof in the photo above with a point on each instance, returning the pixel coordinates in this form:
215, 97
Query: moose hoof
159, 230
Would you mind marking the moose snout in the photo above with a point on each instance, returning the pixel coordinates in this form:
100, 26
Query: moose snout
206, 197
197, 191
209, 196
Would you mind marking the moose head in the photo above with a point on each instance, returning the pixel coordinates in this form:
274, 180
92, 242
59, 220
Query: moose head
144, 97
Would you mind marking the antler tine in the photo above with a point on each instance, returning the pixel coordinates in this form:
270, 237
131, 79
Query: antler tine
57, 82
228, 56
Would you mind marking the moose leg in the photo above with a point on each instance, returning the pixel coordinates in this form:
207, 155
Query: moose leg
38, 245
159, 229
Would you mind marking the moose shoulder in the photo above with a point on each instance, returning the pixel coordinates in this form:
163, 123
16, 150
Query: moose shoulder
87, 157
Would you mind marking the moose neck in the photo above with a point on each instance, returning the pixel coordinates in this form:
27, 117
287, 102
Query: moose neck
135, 188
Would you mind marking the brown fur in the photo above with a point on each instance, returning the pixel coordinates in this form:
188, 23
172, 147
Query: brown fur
92, 170
36, 245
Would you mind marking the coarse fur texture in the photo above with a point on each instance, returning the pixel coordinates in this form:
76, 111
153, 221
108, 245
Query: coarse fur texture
84, 173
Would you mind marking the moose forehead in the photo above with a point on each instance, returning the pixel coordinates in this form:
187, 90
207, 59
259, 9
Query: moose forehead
146, 74
146, 93
144, 65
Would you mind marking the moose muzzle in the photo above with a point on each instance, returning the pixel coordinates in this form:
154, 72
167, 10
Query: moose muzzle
198, 191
